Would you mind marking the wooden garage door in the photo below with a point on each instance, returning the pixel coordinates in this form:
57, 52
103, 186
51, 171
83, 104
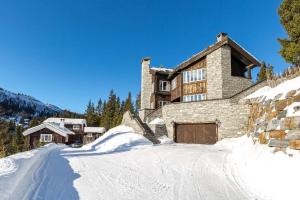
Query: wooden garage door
200, 133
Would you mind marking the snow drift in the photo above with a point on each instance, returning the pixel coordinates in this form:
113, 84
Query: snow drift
260, 171
117, 139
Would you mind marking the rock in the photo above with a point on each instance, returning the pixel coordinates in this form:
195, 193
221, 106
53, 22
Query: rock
296, 98
293, 134
282, 114
290, 94
277, 134
278, 143
273, 124
280, 104
294, 144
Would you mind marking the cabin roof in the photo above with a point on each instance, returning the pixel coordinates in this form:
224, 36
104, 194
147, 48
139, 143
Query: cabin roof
252, 61
51, 126
94, 129
66, 120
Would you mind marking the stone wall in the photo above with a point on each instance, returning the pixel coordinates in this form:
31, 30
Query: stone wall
129, 120
154, 114
233, 117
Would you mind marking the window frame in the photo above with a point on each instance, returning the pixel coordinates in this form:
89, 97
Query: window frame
76, 126
46, 138
161, 86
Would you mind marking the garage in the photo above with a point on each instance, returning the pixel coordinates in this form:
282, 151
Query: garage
196, 133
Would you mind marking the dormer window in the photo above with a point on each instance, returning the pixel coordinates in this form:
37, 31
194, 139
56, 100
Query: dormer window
76, 127
164, 86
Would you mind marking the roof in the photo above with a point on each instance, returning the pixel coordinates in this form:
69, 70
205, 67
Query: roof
225, 41
66, 120
94, 129
51, 126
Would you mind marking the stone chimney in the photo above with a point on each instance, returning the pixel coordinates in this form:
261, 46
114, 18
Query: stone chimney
221, 36
146, 86
62, 122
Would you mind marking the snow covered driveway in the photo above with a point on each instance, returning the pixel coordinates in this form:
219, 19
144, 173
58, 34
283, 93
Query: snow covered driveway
151, 172
156, 172
124, 165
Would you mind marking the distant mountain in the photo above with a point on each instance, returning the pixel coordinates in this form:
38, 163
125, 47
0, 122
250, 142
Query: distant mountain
12, 104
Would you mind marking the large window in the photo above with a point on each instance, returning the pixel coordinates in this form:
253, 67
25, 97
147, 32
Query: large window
174, 83
164, 85
194, 75
46, 138
194, 97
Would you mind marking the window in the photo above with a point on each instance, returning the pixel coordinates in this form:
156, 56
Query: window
164, 86
76, 127
174, 83
194, 97
162, 103
194, 75
46, 138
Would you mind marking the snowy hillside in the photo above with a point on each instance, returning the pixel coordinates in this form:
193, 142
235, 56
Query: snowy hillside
15, 103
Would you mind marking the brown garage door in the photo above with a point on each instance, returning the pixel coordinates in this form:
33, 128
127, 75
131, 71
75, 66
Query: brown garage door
200, 133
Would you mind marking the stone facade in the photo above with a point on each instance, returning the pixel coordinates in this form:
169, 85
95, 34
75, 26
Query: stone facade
232, 117
220, 82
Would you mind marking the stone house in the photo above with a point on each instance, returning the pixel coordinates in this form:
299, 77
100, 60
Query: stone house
199, 100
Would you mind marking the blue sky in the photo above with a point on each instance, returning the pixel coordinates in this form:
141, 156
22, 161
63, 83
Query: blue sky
65, 52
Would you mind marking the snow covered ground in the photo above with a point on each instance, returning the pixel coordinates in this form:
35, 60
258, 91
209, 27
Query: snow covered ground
124, 165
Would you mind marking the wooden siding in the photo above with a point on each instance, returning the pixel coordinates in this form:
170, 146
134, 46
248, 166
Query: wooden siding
177, 92
195, 88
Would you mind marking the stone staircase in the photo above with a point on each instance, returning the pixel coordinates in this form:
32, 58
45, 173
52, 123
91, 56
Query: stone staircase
148, 133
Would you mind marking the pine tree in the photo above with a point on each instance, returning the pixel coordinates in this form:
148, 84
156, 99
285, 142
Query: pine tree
289, 12
270, 72
262, 75
128, 104
109, 111
91, 116
33, 122
138, 103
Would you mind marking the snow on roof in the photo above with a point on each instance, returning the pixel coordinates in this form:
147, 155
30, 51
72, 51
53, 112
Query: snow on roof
51, 126
157, 121
66, 120
94, 129
283, 88
161, 69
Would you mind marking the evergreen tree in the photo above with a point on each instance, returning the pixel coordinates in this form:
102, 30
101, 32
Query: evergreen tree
91, 116
262, 75
33, 122
128, 104
110, 110
289, 12
138, 103
270, 72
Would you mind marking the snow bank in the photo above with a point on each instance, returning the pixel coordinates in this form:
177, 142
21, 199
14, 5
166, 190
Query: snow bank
9, 164
260, 171
157, 121
271, 93
165, 140
117, 139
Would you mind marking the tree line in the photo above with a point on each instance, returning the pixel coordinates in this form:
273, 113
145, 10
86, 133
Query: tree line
109, 113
